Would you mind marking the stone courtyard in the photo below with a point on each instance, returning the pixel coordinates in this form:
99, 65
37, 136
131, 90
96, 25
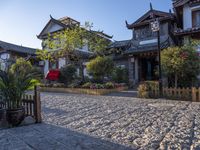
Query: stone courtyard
83, 122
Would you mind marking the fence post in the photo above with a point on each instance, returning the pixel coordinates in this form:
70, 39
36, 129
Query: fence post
37, 104
199, 94
194, 94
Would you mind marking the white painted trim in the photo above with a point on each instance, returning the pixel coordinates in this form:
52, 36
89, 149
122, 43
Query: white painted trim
195, 8
148, 41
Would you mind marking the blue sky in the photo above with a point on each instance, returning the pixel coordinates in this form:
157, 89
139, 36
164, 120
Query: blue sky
22, 20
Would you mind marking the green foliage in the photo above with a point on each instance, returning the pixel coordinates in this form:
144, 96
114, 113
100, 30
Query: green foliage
100, 67
148, 89
109, 85
87, 85
64, 43
13, 85
120, 75
75, 83
22, 66
98, 86
67, 74
181, 62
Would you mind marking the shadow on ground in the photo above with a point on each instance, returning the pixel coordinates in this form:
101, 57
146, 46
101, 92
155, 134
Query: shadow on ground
49, 137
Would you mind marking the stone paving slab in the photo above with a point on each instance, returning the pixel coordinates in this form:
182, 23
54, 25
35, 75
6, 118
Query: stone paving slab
82, 122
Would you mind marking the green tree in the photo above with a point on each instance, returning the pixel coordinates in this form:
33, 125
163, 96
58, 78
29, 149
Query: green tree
67, 74
100, 67
21, 65
182, 63
24, 67
65, 43
120, 75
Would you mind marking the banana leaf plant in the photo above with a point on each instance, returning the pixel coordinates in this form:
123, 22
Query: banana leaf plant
13, 84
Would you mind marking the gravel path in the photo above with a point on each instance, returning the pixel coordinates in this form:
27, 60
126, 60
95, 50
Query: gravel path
78, 122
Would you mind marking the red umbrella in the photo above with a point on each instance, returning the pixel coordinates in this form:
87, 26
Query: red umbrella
53, 75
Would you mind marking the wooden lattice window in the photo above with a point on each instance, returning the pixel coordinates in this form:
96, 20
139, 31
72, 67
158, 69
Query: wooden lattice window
196, 18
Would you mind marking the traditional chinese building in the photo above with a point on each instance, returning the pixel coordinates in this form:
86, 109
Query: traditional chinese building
10, 52
140, 54
188, 19
58, 25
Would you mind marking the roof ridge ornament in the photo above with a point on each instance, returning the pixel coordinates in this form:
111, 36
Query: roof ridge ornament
151, 7
126, 23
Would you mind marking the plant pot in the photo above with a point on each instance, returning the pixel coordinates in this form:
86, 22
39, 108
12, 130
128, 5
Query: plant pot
2, 111
15, 116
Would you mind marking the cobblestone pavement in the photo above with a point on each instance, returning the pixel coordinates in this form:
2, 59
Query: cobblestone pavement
79, 122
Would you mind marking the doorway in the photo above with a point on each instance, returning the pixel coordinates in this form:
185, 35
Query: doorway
148, 69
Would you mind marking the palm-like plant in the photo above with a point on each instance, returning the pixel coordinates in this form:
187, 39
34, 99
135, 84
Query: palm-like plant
13, 85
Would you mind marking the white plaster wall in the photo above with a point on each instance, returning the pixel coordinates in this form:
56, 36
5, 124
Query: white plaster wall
78, 71
46, 67
85, 72
85, 48
187, 17
136, 70
52, 28
3, 57
61, 62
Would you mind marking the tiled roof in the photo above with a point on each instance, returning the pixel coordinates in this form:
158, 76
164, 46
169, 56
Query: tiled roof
62, 22
178, 3
16, 48
118, 44
187, 31
147, 17
147, 47
102, 34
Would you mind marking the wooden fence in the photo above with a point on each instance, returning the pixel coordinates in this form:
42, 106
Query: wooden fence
31, 104
189, 94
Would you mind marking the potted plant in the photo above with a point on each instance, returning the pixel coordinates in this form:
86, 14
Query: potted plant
13, 85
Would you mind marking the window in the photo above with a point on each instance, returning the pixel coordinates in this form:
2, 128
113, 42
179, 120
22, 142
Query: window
53, 65
196, 18
198, 49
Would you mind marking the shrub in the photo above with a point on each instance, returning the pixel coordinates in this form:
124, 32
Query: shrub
120, 75
21, 65
74, 85
87, 85
24, 67
181, 64
117, 85
100, 67
97, 86
109, 85
148, 89
67, 74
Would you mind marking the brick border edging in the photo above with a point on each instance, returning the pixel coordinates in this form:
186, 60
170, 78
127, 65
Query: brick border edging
82, 91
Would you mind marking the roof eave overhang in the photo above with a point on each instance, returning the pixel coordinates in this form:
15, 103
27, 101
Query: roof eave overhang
40, 36
186, 33
136, 25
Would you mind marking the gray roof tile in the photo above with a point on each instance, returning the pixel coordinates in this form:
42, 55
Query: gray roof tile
16, 48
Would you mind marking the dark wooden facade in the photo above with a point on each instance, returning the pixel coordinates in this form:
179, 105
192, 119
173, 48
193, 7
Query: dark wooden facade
139, 54
188, 19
